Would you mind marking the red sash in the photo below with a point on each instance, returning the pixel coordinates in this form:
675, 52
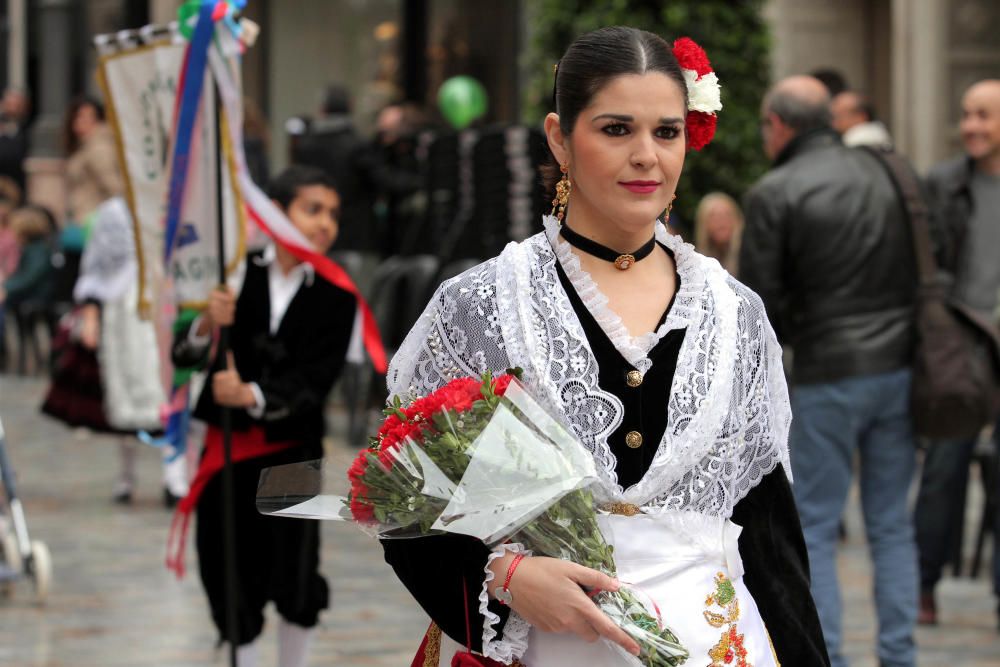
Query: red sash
247, 445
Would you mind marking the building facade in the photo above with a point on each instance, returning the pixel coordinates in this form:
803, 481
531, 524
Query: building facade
913, 57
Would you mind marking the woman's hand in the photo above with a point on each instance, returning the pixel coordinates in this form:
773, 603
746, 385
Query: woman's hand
221, 310
547, 593
229, 389
90, 326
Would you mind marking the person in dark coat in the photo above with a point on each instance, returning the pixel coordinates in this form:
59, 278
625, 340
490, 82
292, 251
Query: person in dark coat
333, 144
827, 246
965, 196
14, 135
289, 333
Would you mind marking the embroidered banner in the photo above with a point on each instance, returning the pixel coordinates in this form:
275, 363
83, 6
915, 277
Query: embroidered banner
140, 82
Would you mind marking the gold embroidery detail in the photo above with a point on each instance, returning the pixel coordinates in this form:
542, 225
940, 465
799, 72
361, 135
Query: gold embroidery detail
624, 509
432, 650
729, 650
774, 654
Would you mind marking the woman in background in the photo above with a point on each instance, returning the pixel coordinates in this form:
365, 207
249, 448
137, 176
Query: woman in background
718, 228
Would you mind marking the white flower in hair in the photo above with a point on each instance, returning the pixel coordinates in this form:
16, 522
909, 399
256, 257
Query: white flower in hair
704, 94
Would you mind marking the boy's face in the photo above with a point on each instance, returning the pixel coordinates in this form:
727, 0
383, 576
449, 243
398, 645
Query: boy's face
315, 211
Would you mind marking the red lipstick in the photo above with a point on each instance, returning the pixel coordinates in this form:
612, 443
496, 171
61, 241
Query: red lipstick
640, 187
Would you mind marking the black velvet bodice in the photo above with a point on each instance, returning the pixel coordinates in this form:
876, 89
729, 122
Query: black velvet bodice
645, 405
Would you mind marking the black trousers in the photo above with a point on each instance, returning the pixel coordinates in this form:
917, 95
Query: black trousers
277, 558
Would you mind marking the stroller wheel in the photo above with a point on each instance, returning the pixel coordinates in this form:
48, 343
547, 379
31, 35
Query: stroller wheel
11, 551
41, 561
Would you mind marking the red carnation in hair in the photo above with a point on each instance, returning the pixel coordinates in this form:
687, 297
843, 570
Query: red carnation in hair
691, 56
700, 129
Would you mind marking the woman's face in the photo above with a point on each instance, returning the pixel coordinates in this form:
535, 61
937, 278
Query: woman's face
721, 221
627, 150
85, 121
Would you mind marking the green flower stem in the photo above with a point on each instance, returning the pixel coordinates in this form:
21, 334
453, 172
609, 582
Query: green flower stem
568, 530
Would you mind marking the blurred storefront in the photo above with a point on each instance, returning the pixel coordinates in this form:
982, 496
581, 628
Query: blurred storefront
914, 57
383, 51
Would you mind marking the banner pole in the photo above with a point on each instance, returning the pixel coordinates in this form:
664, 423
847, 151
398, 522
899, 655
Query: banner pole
228, 500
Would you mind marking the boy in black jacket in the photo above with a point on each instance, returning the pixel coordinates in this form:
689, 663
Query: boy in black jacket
289, 334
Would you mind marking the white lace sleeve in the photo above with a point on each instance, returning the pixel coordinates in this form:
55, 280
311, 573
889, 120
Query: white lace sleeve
514, 642
763, 392
457, 335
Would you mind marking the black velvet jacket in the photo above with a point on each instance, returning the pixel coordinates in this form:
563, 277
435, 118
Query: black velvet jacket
771, 544
295, 368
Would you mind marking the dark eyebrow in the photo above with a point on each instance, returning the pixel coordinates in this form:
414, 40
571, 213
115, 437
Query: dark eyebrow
624, 118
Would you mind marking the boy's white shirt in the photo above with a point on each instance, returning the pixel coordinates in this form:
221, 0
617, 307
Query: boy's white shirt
282, 288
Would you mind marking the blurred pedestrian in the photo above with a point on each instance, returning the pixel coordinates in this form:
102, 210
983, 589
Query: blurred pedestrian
401, 206
14, 117
92, 173
26, 293
718, 229
854, 118
332, 143
832, 80
127, 391
827, 246
256, 142
358, 167
289, 329
92, 177
10, 250
965, 197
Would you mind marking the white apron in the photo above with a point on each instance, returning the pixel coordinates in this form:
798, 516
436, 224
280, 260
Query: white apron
677, 559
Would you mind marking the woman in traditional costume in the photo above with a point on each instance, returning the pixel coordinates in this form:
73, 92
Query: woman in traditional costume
107, 378
663, 365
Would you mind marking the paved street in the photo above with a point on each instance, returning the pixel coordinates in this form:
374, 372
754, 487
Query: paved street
114, 604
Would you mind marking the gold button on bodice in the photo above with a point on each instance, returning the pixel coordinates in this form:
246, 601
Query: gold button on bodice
633, 439
633, 378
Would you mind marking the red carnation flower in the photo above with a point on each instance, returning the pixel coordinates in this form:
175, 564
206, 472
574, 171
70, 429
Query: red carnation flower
357, 469
391, 422
700, 129
691, 56
363, 512
501, 383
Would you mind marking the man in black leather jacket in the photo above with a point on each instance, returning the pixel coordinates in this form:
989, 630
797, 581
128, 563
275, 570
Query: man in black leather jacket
827, 246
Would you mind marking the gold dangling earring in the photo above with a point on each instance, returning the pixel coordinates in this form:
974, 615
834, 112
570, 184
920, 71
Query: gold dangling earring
670, 207
561, 199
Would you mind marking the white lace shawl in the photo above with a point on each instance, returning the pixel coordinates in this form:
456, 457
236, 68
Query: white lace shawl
728, 413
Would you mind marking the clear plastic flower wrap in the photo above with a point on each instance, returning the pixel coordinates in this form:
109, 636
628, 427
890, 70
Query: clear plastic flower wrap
478, 457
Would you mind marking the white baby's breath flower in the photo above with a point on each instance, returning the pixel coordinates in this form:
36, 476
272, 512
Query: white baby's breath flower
704, 94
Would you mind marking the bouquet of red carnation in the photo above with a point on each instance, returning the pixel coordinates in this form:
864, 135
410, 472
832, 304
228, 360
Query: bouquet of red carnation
481, 458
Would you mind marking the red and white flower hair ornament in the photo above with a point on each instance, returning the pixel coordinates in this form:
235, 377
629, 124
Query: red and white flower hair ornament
704, 92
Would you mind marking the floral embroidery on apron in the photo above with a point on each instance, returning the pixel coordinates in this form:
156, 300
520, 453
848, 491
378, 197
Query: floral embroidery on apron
729, 650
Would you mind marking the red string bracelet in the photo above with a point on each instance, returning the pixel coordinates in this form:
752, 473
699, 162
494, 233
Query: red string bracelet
503, 594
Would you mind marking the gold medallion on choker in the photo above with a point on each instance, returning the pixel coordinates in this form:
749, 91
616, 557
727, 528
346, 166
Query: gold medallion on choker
624, 262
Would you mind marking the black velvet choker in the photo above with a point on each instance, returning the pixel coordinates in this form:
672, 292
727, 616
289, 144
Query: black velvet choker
622, 261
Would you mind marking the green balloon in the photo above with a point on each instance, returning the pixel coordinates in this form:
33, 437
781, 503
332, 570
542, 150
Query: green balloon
462, 100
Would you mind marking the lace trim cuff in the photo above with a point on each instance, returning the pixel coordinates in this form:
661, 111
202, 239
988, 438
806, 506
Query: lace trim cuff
515, 633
